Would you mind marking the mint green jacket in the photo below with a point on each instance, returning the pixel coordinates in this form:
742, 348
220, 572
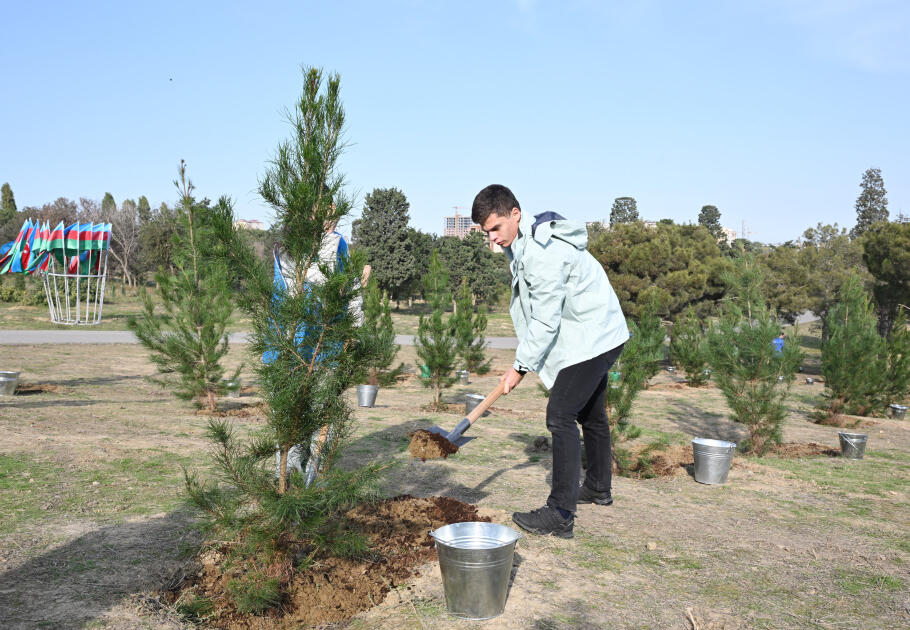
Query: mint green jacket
563, 307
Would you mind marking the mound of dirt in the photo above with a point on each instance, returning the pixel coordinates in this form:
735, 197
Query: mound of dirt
28, 389
427, 445
803, 449
671, 460
237, 411
453, 408
335, 589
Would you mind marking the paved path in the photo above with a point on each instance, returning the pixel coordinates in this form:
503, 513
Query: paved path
82, 336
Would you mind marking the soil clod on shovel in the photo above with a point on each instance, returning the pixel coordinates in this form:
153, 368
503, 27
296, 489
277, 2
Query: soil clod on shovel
436, 442
427, 445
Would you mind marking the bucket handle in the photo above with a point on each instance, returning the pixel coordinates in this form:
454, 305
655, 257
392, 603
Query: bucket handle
850, 440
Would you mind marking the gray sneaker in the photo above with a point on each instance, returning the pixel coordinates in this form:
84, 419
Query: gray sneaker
586, 495
545, 521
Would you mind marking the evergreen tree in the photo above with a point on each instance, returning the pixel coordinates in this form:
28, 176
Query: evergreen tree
309, 332
678, 265
886, 252
709, 217
689, 348
435, 333
469, 329
470, 258
378, 335
144, 210
7, 202
624, 210
854, 359
189, 338
872, 204
383, 233
108, 205
896, 384
745, 364
9, 223
638, 362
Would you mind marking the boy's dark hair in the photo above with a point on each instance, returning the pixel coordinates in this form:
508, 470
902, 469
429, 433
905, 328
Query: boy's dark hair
494, 199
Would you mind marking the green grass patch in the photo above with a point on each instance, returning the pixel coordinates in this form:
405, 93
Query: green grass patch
599, 554
856, 582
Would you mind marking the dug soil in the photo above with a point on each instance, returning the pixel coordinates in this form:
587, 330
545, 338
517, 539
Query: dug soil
335, 589
28, 389
428, 445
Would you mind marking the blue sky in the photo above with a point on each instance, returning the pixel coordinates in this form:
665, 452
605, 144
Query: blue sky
770, 110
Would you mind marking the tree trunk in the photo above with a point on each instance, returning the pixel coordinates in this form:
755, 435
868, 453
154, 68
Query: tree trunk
283, 471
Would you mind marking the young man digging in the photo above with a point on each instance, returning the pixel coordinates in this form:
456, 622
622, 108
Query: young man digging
570, 331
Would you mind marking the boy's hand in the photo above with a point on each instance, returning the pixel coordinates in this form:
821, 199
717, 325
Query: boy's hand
510, 380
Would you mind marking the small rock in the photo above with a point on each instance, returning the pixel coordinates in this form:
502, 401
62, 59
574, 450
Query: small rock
651, 546
96, 483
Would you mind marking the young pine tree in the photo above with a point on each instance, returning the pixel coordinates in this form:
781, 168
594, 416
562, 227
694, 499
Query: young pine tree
187, 336
435, 333
469, 329
378, 337
637, 363
854, 357
689, 348
897, 376
745, 363
306, 332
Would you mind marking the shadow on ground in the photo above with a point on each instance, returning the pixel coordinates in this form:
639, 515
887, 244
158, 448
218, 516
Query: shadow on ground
704, 424
429, 478
81, 580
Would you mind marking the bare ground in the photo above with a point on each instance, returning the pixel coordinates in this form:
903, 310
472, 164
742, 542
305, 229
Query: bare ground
91, 525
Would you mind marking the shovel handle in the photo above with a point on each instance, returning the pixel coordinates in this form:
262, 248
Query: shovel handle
486, 404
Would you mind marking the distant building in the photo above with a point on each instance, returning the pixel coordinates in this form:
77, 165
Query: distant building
729, 235
243, 224
459, 226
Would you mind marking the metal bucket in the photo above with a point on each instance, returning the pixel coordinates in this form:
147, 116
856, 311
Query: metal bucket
898, 411
476, 562
8, 383
233, 388
809, 381
471, 401
366, 395
462, 376
712, 459
852, 445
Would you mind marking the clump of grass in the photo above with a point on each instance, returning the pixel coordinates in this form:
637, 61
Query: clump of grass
195, 609
856, 582
254, 592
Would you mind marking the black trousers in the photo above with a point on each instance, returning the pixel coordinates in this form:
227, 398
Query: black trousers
579, 397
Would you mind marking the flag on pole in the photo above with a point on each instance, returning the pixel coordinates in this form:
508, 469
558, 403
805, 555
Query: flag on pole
14, 256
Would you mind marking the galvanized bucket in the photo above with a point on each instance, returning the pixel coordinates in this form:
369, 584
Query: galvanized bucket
8, 383
712, 459
366, 395
471, 401
476, 562
898, 411
809, 380
462, 376
233, 388
852, 445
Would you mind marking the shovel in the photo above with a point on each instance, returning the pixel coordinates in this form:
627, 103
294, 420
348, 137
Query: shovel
456, 435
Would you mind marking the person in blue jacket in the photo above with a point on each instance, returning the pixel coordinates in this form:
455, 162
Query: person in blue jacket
570, 330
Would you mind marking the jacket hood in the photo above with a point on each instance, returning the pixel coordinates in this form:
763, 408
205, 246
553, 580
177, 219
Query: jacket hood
572, 232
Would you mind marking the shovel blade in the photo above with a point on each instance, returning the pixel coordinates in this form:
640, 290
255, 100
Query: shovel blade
459, 442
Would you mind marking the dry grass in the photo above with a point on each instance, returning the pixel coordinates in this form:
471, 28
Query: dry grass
91, 525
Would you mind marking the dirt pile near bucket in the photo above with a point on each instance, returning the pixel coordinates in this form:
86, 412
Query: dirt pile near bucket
428, 445
803, 449
335, 589
28, 389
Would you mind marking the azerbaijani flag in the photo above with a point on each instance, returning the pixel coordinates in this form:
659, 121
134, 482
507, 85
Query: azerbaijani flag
14, 261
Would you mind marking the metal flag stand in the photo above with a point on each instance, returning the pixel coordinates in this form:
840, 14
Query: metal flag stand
75, 279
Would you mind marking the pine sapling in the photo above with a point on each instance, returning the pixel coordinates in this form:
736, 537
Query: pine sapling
188, 337
435, 333
469, 329
745, 363
689, 348
378, 336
